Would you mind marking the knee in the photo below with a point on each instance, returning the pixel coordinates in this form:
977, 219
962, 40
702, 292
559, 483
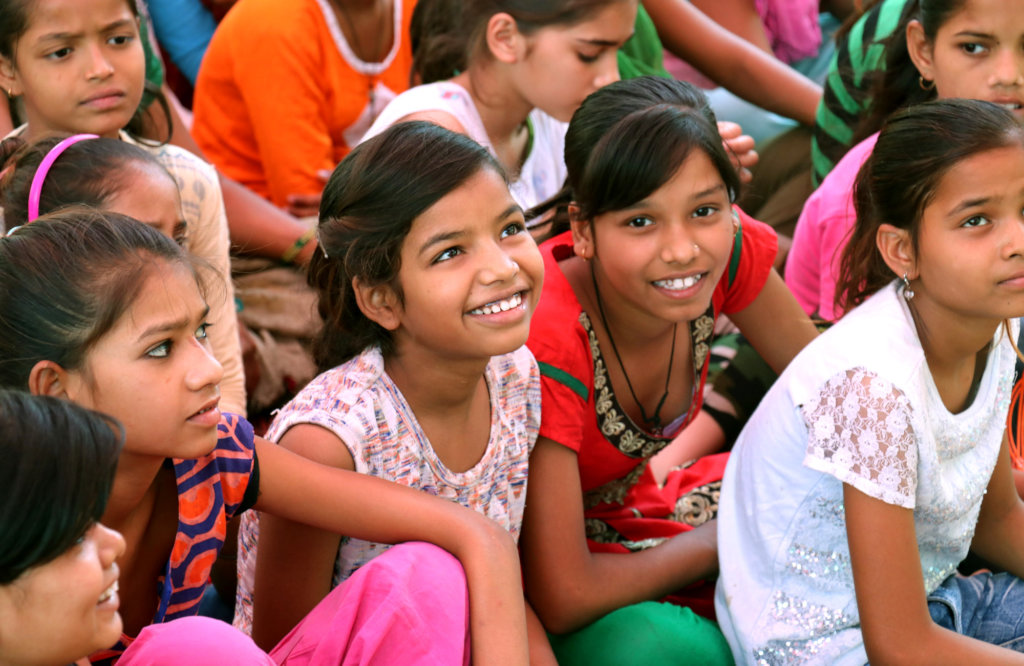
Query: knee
427, 556
193, 640
419, 565
644, 633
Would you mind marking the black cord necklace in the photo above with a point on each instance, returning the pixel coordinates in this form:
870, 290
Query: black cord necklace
653, 422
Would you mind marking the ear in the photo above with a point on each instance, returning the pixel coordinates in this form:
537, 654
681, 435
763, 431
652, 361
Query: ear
9, 77
48, 378
379, 303
504, 41
582, 234
920, 50
897, 250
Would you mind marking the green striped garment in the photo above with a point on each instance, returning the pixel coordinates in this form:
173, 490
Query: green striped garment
847, 88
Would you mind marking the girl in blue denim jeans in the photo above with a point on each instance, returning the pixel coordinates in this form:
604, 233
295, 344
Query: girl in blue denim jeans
879, 457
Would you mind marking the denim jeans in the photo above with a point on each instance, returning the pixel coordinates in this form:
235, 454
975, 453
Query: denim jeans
985, 606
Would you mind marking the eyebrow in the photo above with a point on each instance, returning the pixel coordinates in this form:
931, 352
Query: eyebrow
967, 205
120, 23
714, 189
443, 237
169, 326
447, 236
603, 42
513, 208
971, 33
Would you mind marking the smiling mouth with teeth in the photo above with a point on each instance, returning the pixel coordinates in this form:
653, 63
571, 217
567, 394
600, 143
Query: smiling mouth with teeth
1011, 106
679, 283
494, 307
110, 591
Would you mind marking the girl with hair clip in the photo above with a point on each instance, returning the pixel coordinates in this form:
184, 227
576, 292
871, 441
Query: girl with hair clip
509, 75
655, 253
426, 287
942, 48
893, 423
108, 313
77, 66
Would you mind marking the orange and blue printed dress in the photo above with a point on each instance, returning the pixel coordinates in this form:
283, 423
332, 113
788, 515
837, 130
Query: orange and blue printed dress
211, 490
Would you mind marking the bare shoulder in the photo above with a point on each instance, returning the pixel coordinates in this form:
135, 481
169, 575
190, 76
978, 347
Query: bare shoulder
438, 117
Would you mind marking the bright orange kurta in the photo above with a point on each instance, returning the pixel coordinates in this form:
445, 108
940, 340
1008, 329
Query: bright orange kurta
281, 96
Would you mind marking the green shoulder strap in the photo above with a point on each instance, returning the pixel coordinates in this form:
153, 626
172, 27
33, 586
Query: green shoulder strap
737, 249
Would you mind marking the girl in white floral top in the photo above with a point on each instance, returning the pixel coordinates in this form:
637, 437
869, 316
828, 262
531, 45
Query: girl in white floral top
879, 456
427, 282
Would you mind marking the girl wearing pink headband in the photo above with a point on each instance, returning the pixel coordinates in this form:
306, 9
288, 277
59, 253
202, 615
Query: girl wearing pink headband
48, 175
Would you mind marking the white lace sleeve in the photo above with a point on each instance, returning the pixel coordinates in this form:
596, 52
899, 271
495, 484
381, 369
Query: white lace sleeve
859, 431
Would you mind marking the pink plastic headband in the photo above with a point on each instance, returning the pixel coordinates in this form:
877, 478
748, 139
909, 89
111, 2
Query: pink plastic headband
36, 190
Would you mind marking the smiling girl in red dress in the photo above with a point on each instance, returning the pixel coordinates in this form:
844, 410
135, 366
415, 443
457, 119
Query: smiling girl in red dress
655, 254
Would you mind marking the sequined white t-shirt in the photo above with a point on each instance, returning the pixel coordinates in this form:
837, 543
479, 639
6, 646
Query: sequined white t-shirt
359, 403
858, 406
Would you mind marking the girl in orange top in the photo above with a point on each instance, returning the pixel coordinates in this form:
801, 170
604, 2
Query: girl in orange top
287, 88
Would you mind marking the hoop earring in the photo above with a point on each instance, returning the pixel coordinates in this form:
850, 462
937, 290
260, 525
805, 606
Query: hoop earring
908, 293
925, 84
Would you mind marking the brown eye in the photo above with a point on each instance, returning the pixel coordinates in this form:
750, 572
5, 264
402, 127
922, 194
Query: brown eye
972, 48
513, 229
445, 255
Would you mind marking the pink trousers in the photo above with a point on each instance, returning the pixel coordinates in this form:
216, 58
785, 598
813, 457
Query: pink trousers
409, 605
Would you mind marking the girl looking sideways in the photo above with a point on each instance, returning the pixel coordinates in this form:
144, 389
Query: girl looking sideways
106, 312
893, 423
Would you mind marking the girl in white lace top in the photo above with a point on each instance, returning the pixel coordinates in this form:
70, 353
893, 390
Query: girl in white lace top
879, 456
